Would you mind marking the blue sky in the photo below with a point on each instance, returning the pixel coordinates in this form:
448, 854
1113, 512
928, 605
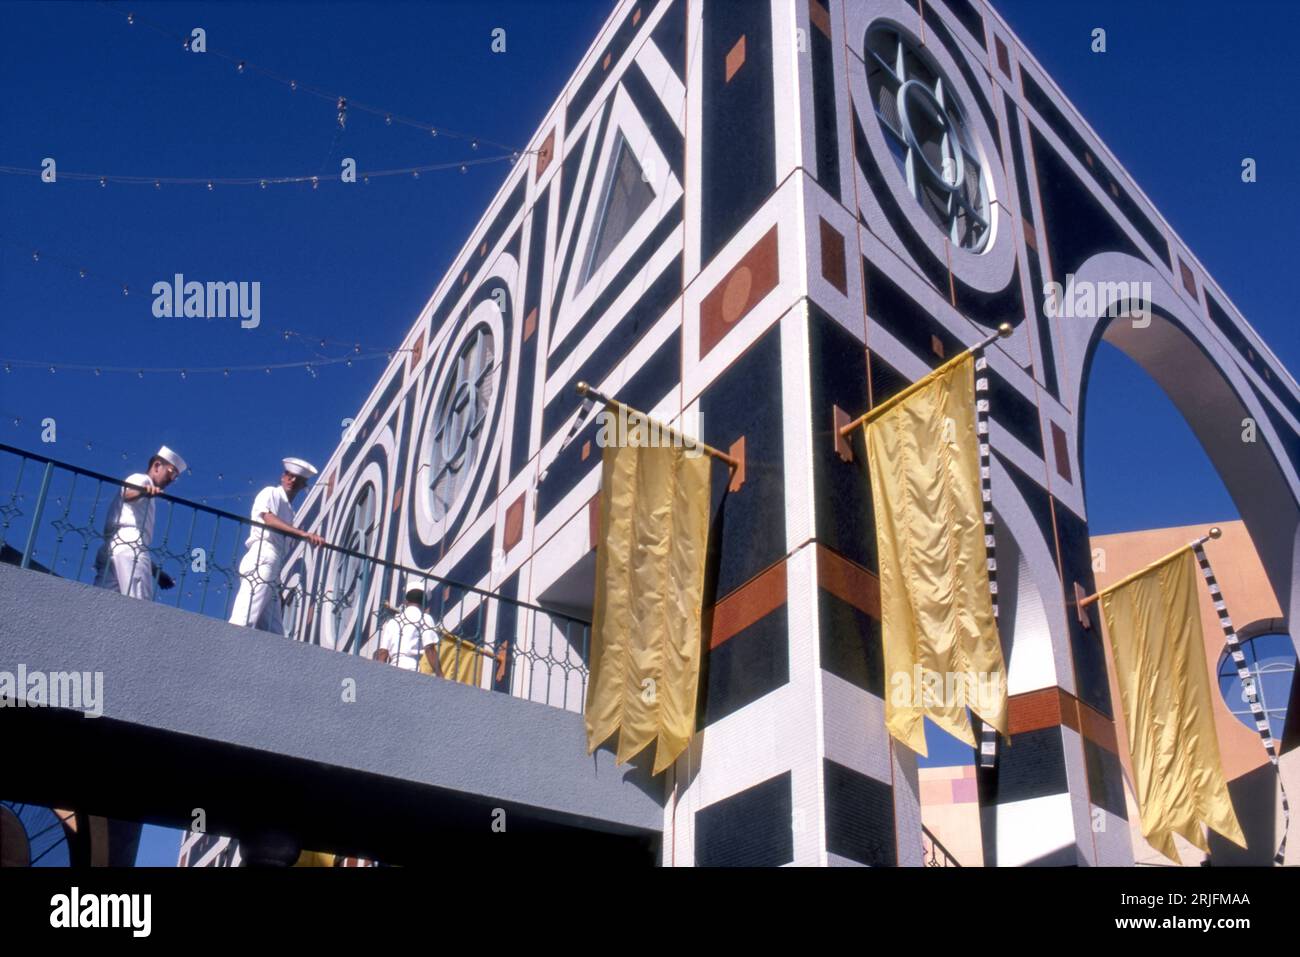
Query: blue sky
1180, 97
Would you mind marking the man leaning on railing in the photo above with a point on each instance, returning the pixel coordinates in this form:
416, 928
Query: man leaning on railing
258, 603
123, 561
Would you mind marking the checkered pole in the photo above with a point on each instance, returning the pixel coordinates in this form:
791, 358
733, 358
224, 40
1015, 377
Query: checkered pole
1243, 673
988, 736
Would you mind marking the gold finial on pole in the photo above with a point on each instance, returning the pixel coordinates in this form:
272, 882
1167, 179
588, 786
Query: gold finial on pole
1214, 532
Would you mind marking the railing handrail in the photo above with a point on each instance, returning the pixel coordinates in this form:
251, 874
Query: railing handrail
937, 844
197, 506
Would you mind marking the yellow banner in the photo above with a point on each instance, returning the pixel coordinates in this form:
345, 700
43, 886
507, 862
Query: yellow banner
1154, 624
941, 647
458, 659
314, 859
645, 635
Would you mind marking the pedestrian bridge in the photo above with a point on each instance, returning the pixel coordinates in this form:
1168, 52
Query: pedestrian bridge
288, 745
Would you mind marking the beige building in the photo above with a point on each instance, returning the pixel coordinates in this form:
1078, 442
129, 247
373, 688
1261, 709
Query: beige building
1254, 610
949, 801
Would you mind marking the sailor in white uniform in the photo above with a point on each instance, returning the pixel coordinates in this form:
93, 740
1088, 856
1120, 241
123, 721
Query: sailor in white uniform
257, 605
405, 636
123, 560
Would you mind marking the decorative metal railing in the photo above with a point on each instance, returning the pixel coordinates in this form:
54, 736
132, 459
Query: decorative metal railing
933, 853
56, 517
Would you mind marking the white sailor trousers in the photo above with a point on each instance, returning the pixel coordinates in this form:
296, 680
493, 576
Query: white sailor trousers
257, 605
128, 569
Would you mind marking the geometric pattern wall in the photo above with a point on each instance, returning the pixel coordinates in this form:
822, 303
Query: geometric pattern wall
741, 216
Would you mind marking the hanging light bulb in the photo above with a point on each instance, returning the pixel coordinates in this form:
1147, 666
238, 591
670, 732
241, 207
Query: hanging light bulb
263, 184
130, 18
87, 446
8, 368
415, 173
268, 371
36, 256
349, 365
139, 374
365, 179
157, 184
286, 334
315, 182
209, 186
51, 370
322, 343
186, 44
356, 347
473, 144
82, 273
126, 290
293, 84
96, 370
342, 107
183, 375
463, 168
433, 131
220, 476
388, 120
226, 373
103, 181
239, 67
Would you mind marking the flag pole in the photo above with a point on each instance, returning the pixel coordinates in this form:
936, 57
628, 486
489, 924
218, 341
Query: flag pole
586, 391
1004, 330
1214, 532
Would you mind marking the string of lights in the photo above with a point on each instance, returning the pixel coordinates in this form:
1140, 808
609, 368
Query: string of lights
212, 182
359, 351
343, 105
310, 365
247, 485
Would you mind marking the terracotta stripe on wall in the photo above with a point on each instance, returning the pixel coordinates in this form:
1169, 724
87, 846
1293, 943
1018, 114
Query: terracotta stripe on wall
848, 582
761, 595
1048, 707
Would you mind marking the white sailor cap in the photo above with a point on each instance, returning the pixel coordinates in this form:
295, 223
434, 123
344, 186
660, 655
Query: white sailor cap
172, 458
414, 586
299, 467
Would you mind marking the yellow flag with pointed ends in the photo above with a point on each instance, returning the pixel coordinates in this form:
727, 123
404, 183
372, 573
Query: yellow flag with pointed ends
645, 633
458, 659
941, 648
1154, 624
314, 859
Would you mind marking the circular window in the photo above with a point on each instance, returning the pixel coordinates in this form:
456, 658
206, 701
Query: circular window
925, 127
1270, 665
359, 535
459, 420
35, 836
